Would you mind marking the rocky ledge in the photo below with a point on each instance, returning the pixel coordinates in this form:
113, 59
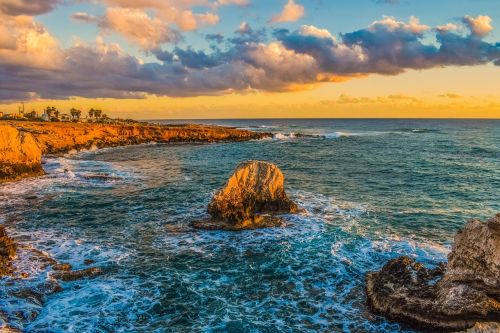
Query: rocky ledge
253, 197
22, 144
453, 296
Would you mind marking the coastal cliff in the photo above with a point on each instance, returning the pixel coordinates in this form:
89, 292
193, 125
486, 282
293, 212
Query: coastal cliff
20, 154
23, 143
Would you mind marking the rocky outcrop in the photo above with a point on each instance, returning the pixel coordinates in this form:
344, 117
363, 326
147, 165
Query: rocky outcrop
20, 155
7, 252
448, 297
251, 198
23, 143
475, 257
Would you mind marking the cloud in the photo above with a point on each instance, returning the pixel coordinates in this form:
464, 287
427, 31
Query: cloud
177, 12
135, 25
84, 17
389, 46
232, 2
450, 95
291, 12
27, 7
26, 43
390, 99
480, 26
33, 64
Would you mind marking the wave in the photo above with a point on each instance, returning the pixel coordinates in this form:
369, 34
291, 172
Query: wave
284, 136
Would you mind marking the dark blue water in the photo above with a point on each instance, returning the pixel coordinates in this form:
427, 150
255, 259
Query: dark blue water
372, 189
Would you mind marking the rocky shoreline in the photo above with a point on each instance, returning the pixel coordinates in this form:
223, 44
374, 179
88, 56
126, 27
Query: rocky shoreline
451, 296
22, 144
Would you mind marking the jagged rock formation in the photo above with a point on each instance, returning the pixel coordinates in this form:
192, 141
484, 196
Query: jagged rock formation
475, 257
20, 155
251, 198
444, 298
23, 143
7, 252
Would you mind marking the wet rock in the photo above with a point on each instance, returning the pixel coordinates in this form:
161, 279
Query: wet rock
251, 198
88, 262
79, 274
475, 257
63, 267
485, 328
8, 250
448, 297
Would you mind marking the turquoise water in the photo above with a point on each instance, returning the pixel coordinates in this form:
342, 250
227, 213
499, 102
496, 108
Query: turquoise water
372, 190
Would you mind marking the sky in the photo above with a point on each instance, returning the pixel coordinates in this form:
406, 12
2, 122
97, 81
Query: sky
201, 59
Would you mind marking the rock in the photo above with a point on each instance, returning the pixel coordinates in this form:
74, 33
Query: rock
88, 262
251, 198
20, 154
453, 297
475, 257
8, 250
77, 275
485, 328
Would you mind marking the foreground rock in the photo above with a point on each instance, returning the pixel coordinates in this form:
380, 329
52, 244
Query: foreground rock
22, 143
20, 154
7, 252
251, 198
444, 298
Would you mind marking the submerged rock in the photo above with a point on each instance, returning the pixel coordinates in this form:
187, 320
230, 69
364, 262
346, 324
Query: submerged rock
8, 250
77, 275
251, 198
455, 297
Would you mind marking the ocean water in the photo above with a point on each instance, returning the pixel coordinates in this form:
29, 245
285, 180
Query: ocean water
372, 190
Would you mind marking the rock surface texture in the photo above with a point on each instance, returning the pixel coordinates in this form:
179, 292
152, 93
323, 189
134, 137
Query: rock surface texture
20, 155
23, 143
251, 198
7, 252
448, 297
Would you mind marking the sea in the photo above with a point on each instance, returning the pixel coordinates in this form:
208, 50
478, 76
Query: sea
372, 190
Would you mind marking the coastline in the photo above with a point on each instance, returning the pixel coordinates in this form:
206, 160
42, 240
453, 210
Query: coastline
23, 143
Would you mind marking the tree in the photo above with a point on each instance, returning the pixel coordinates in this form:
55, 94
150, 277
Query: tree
31, 115
98, 114
91, 113
48, 111
75, 114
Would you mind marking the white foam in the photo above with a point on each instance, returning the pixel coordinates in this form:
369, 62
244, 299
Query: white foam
284, 136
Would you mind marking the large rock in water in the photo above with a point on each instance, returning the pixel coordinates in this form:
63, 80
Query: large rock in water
444, 298
251, 198
20, 155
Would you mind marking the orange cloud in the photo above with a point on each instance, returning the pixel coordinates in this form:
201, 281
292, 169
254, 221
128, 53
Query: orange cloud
291, 12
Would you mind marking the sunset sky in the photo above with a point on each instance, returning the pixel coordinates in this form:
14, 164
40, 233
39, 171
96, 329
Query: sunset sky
152, 59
